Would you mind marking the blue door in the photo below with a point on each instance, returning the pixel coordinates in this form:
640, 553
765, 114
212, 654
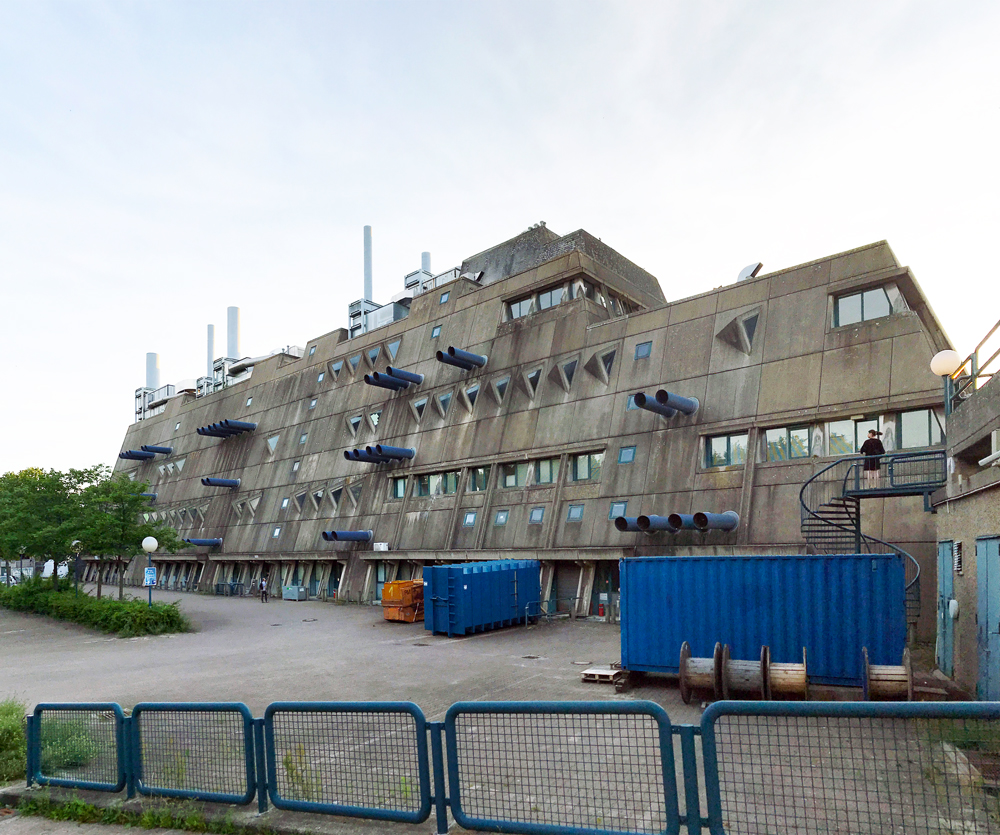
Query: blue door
988, 632
945, 625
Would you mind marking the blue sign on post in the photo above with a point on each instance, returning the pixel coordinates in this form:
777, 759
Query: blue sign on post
150, 577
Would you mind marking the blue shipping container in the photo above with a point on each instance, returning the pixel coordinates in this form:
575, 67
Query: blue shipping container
831, 605
477, 596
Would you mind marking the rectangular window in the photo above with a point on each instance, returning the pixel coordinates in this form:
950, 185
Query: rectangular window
399, 488
501, 518
547, 471
514, 475
437, 484
726, 450
312, 404
587, 467
423, 485
919, 428
284, 503
845, 437
630, 405
626, 455
861, 307
478, 477
277, 530
295, 466
551, 297
469, 520
177, 426
322, 375
249, 400
449, 483
520, 307
787, 442
445, 296
643, 350
312, 350
435, 332
575, 513
536, 515
617, 509
302, 437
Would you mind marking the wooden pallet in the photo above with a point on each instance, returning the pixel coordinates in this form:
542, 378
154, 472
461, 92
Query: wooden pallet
602, 675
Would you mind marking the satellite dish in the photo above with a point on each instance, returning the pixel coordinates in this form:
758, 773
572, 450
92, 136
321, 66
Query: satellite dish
749, 271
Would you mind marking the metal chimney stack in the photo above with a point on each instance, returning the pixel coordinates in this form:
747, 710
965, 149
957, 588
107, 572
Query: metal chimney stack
211, 350
152, 371
425, 261
368, 264
233, 333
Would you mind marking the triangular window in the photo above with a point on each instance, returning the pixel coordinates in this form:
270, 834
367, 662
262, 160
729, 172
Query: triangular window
531, 379
569, 369
471, 393
183, 515
336, 368
300, 500
272, 442
443, 401
352, 424
417, 408
145, 517
355, 492
354, 362
239, 507
317, 497
170, 467
372, 355
750, 326
393, 348
500, 388
335, 496
132, 475
375, 417
179, 463
252, 505
608, 361
162, 469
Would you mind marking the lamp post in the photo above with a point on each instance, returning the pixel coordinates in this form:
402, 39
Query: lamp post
149, 544
944, 364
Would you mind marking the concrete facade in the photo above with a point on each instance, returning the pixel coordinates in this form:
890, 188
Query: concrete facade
763, 354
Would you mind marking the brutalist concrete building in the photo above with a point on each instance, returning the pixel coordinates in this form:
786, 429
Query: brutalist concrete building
562, 423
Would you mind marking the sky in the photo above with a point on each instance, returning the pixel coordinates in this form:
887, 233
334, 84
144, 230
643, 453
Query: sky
160, 161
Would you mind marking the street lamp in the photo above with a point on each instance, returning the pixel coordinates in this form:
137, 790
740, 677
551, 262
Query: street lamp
944, 364
149, 544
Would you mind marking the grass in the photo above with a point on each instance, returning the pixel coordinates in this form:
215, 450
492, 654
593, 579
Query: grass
126, 618
13, 745
65, 745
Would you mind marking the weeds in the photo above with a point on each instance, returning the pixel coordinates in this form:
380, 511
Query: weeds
299, 774
13, 745
65, 744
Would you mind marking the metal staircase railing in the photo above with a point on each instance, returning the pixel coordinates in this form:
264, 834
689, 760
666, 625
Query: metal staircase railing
830, 508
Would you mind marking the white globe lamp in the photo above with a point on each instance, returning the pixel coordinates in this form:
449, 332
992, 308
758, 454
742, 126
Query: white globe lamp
945, 363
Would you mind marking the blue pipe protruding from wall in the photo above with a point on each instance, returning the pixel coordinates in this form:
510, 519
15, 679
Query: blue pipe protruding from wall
682, 521
397, 452
150, 496
364, 457
388, 379
655, 523
478, 360
728, 521
684, 405
348, 536
409, 376
242, 425
136, 455
627, 523
449, 360
209, 543
163, 450
371, 381
221, 482
643, 401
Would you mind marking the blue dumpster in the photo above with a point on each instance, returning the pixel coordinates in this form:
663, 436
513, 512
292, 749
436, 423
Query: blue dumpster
475, 597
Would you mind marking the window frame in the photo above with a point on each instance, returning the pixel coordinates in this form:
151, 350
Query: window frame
497, 523
708, 460
435, 331
321, 376
647, 353
787, 430
571, 509
590, 456
444, 297
467, 522
552, 465
611, 510
629, 449
540, 510
397, 482
860, 295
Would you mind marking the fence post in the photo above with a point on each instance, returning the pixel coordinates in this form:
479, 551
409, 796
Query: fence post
692, 802
29, 739
437, 760
259, 765
130, 754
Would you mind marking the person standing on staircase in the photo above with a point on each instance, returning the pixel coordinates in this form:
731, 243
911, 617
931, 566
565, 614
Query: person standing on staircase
873, 449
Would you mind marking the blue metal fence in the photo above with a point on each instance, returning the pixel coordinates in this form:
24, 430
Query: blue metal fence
551, 768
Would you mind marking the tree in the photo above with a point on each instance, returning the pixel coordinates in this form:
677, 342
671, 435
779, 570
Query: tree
111, 525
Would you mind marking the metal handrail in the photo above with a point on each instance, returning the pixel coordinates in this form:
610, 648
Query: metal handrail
971, 371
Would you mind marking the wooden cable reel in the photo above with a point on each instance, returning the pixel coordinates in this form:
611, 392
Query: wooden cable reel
745, 678
884, 682
700, 673
788, 680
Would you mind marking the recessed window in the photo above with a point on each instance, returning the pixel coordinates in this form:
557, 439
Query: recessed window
373, 355
249, 400
295, 466
787, 442
643, 350
312, 350
547, 471
312, 404
445, 296
437, 484
552, 297
469, 520
354, 362
478, 477
726, 450
520, 307
418, 407
919, 428
574, 513
177, 426
514, 475
336, 367
393, 348
845, 437
630, 405
626, 455
501, 518
860, 307
500, 384
399, 488
617, 509
284, 503
536, 515
587, 466
435, 332
375, 417
321, 376
276, 532
302, 437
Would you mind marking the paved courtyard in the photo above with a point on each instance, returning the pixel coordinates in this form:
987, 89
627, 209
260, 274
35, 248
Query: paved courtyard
243, 650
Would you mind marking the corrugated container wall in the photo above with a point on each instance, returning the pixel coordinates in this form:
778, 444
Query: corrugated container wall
475, 597
831, 605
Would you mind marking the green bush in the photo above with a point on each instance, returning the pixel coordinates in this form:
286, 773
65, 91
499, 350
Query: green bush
13, 747
126, 618
65, 744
